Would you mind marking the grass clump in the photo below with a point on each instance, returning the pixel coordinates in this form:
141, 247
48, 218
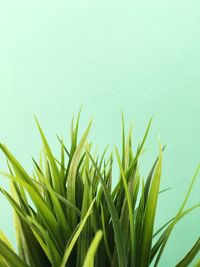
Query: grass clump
69, 214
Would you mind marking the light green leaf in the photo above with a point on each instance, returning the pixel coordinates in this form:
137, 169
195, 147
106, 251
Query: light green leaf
71, 180
10, 256
70, 246
149, 216
89, 259
57, 178
190, 255
176, 219
115, 219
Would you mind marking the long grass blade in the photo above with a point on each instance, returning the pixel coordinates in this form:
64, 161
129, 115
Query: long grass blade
71, 180
149, 217
89, 259
177, 216
10, 256
57, 181
190, 255
115, 219
75, 237
130, 209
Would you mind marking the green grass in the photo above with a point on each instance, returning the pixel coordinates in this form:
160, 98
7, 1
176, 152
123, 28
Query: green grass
68, 213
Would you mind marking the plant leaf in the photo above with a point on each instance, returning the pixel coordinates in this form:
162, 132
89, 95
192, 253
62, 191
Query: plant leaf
10, 256
115, 219
89, 259
149, 216
190, 255
75, 237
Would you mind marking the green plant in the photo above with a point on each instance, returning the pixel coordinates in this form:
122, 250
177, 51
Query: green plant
68, 213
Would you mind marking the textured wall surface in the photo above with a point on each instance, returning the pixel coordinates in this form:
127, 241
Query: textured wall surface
139, 56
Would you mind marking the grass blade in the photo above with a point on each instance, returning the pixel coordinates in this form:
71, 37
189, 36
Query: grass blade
10, 256
115, 219
177, 216
71, 180
190, 255
89, 259
75, 237
57, 181
149, 217
130, 209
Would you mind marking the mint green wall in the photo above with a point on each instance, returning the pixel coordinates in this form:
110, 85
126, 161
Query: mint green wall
139, 56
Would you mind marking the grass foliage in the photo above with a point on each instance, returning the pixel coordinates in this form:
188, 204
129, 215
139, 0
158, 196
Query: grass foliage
68, 213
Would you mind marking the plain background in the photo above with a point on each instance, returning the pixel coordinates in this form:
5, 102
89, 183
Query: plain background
139, 56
